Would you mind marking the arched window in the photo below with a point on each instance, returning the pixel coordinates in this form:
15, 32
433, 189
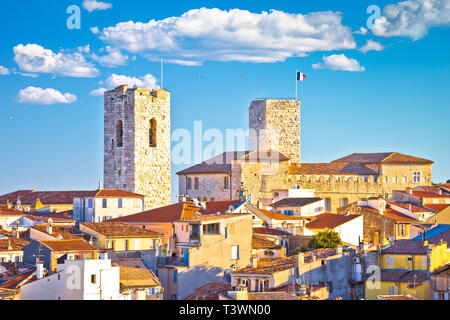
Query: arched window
112, 144
119, 133
152, 133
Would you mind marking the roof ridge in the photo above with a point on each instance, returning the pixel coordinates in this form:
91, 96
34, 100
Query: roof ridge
392, 153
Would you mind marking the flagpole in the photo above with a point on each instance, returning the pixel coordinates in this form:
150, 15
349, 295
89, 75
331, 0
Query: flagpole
296, 83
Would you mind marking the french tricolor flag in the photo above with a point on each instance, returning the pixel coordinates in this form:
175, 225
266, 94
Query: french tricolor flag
300, 76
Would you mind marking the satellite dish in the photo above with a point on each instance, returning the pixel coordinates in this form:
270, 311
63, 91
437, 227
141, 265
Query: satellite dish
19, 202
50, 221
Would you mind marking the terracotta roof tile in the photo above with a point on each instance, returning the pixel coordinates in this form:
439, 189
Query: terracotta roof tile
134, 274
402, 276
210, 291
331, 169
13, 196
280, 216
271, 267
264, 243
330, 220
381, 158
438, 207
103, 193
12, 244
270, 231
271, 296
68, 245
262, 156
65, 232
20, 279
120, 230
406, 246
424, 194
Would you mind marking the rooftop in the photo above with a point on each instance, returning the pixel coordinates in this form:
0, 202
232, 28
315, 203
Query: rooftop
424, 194
12, 244
68, 245
65, 232
120, 230
402, 276
264, 243
295, 202
280, 216
331, 169
270, 231
210, 291
271, 267
218, 164
330, 220
133, 273
382, 158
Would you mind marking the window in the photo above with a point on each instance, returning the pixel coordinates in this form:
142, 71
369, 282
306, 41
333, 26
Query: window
211, 228
208, 183
327, 204
90, 203
289, 212
424, 261
394, 180
93, 278
120, 203
196, 183
119, 133
113, 245
402, 230
405, 180
225, 183
390, 261
344, 202
152, 133
235, 252
127, 245
391, 290
188, 183
416, 177
275, 194
104, 203
366, 179
175, 275
226, 232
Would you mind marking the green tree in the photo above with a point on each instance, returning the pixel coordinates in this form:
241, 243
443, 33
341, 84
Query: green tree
325, 239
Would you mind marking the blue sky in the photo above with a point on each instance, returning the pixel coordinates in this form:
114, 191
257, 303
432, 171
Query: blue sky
394, 98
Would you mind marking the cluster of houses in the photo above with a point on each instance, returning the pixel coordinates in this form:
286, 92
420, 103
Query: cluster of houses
104, 245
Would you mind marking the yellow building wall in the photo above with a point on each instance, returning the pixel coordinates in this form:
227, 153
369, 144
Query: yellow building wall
401, 262
423, 291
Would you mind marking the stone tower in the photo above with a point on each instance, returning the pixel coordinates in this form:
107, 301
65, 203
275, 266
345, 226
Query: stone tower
275, 125
137, 143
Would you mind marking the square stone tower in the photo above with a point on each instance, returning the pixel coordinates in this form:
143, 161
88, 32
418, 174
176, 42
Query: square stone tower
137, 143
274, 124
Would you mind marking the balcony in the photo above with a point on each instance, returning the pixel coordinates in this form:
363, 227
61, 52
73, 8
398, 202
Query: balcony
169, 261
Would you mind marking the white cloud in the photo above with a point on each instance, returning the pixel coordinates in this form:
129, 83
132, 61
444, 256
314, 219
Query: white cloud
35, 58
84, 49
233, 35
361, 30
372, 46
91, 5
113, 58
338, 62
94, 30
4, 71
148, 81
412, 18
98, 92
34, 95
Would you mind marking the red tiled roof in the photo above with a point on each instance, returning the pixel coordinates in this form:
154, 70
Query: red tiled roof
271, 267
264, 243
16, 244
271, 296
382, 158
406, 247
424, 194
13, 196
65, 232
20, 279
68, 245
402, 276
438, 207
210, 291
166, 214
176, 212
120, 230
103, 193
331, 169
11, 212
280, 216
270, 231
414, 208
393, 215
213, 217
445, 186
330, 220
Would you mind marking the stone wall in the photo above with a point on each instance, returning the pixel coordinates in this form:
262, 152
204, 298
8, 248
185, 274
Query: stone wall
136, 166
275, 125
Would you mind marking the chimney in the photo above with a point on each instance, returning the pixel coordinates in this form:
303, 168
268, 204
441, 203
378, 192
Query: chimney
381, 206
8, 204
9, 244
339, 250
39, 270
49, 228
438, 191
409, 207
409, 191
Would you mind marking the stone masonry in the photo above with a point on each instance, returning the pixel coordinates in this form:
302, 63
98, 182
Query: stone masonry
275, 125
140, 118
